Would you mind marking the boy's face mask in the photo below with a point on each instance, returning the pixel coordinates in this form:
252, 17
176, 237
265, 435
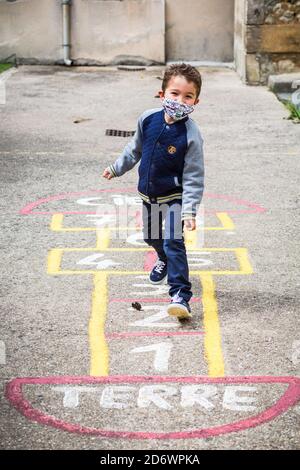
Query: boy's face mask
176, 110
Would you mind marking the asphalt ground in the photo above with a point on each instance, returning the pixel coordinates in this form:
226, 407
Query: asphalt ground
82, 369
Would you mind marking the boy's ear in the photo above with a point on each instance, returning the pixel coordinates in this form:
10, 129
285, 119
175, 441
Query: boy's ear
197, 101
161, 94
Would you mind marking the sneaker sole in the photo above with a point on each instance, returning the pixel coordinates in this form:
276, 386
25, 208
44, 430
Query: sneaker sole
178, 311
158, 282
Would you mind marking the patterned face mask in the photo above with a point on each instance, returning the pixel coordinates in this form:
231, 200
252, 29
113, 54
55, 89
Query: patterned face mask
176, 110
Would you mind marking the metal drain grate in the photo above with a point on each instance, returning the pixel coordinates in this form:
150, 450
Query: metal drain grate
131, 68
117, 133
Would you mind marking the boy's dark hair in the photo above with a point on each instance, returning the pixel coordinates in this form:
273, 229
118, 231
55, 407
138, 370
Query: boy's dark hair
187, 71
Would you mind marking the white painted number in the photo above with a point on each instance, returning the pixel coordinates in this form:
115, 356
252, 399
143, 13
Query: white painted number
89, 201
149, 290
195, 258
162, 354
91, 261
152, 320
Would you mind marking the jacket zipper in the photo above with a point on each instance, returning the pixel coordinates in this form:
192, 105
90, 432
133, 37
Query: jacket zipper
149, 168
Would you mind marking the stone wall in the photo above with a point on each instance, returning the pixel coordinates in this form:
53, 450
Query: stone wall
267, 38
286, 12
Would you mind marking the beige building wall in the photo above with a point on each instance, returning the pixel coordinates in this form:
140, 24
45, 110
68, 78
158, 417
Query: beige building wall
102, 31
110, 31
200, 30
31, 29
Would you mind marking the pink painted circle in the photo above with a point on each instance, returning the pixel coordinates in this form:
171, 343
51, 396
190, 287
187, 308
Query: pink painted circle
15, 395
228, 204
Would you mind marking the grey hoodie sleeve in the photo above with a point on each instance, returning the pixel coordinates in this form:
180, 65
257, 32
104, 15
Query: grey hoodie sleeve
131, 153
193, 172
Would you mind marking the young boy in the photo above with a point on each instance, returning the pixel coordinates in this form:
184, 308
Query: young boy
170, 147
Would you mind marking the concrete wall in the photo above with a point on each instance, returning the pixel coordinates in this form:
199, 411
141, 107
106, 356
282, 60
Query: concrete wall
32, 29
118, 31
110, 31
200, 30
102, 31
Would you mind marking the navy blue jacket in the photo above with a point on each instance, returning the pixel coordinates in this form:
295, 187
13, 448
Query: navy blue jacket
171, 160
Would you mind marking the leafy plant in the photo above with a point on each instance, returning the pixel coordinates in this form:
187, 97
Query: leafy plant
294, 111
4, 67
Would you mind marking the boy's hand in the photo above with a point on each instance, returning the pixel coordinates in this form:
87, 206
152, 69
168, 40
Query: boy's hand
107, 174
190, 224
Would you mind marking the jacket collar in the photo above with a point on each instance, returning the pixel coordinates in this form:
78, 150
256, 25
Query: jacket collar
175, 122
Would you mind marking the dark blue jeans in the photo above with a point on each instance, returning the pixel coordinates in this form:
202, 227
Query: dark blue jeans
168, 243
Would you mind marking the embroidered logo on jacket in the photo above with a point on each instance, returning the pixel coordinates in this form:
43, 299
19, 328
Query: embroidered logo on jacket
171, 149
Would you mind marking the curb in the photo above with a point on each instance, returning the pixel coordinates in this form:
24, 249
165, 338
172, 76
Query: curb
284, 83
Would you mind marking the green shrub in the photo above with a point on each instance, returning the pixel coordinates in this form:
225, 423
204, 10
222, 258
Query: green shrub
294, 110
4, 67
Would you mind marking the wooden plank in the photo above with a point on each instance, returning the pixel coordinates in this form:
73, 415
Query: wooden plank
253, 39
273, 38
